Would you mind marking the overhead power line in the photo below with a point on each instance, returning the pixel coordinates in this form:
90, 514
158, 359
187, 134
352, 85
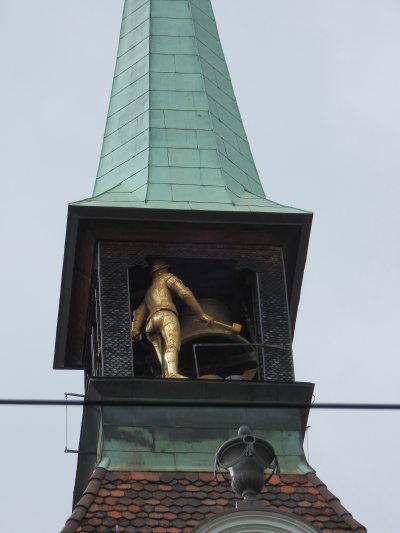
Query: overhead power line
199, 403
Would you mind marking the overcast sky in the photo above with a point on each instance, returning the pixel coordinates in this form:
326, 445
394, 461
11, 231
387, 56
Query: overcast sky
318, 85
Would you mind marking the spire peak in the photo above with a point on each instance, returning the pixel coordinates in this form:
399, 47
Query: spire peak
174, 136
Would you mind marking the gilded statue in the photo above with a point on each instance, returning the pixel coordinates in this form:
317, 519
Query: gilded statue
160, 315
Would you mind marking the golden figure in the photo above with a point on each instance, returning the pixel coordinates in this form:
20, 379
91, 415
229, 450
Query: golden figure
161, 316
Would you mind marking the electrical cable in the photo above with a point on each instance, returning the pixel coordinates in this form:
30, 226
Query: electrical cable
66, 421
199, 403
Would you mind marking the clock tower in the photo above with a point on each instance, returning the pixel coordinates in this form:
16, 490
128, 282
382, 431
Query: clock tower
179, 296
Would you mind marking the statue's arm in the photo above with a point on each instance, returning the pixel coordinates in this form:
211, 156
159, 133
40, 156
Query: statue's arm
138, 318
185, 294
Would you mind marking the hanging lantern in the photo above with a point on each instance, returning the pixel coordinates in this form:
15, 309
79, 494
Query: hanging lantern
246, 457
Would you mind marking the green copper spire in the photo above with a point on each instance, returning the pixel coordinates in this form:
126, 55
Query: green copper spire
174, 137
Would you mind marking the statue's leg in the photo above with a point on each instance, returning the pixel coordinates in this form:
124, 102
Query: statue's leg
171, 334
156, 341
153, 334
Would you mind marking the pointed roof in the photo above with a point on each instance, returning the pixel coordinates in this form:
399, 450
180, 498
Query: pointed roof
174, 137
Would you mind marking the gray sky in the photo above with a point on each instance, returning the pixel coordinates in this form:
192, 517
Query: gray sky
318, 84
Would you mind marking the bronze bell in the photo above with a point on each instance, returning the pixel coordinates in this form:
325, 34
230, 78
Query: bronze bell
221, 352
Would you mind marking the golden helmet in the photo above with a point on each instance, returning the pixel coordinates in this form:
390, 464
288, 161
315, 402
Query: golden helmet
158, 264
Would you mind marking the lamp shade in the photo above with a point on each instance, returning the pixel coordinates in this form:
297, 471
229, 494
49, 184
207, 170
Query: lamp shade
246, 457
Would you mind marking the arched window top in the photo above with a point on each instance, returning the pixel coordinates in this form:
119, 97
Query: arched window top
254, 521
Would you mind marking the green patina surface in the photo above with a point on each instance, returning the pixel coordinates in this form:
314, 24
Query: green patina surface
157, 447
174, 137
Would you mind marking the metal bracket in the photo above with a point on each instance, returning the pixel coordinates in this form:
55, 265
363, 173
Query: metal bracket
66, 449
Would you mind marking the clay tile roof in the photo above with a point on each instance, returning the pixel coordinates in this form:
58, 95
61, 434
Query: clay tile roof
175, 502
86, 502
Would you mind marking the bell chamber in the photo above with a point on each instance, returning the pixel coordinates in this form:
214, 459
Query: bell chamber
246, 285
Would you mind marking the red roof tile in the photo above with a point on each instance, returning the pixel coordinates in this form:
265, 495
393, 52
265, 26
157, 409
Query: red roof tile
175, 502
